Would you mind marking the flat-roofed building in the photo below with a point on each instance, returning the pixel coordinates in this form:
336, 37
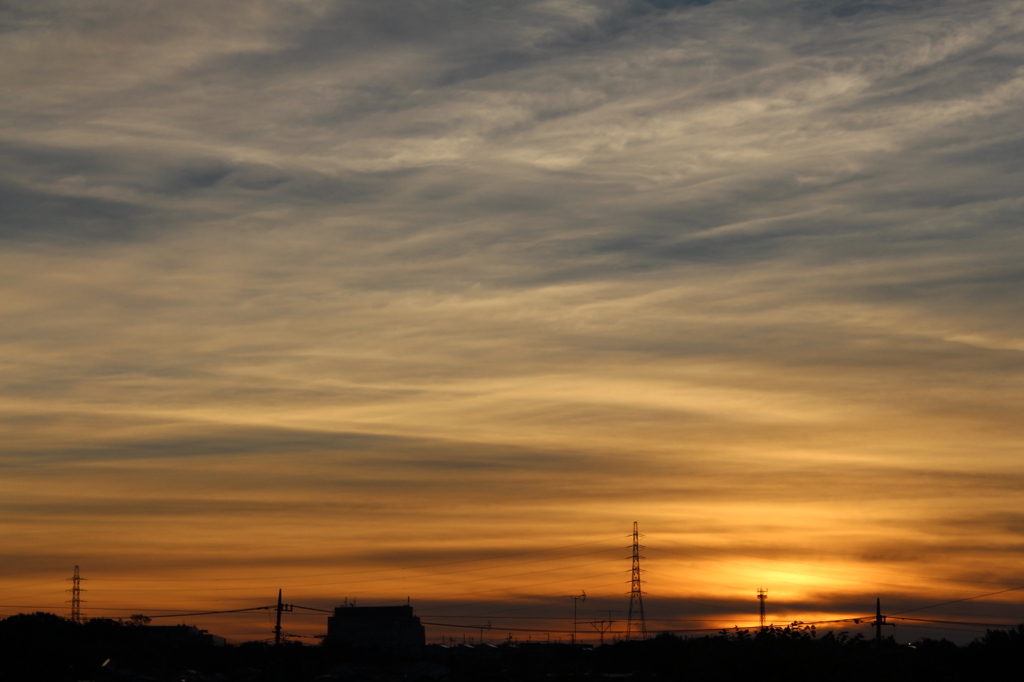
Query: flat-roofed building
390, 628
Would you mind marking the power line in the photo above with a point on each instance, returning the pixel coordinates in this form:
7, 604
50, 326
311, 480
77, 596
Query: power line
636, 604
213, 613
477, 627
99, 608
310, 608
177, 614
858, 619
957, 601
955, 622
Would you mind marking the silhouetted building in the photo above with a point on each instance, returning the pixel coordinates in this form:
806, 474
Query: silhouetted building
392, 628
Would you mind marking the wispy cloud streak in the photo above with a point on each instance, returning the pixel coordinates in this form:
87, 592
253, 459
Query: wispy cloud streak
436, 270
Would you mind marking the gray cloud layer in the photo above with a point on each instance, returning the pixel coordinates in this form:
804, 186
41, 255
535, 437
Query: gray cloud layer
547, 252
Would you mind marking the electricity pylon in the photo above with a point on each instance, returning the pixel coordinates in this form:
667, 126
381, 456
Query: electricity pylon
76, 596
636, 622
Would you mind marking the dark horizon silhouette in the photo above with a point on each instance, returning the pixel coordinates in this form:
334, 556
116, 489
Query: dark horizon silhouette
45, 647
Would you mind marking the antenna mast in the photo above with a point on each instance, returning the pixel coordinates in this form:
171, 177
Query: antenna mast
762, 595
636, 622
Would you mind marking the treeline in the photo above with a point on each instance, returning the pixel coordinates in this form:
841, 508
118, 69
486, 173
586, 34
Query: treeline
48, 648
796, 654
43, 647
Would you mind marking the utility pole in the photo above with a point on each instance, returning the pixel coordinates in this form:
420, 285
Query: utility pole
281, 608
76, 596
762, 595
602, 626
576, 599
879, 619
636, 596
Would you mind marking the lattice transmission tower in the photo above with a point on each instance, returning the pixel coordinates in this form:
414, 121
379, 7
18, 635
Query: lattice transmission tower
76, 596
636, 624
762, 595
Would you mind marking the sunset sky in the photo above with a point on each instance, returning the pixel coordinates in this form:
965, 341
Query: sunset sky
432, 299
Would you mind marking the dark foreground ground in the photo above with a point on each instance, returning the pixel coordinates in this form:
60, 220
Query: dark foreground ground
43, 647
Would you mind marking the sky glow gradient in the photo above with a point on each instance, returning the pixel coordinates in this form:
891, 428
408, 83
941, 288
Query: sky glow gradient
382, 299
